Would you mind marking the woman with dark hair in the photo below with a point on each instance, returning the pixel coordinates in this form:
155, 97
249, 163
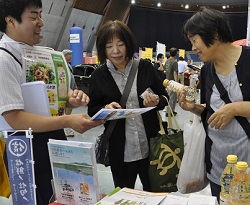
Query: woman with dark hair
158, 65
211, 38
129, 141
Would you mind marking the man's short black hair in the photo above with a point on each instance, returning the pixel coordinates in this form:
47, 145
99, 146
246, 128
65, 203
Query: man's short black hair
15, 9
108, 31
173, 52
160, 55
210, 25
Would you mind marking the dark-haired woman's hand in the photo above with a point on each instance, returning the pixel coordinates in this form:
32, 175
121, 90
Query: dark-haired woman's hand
151, 100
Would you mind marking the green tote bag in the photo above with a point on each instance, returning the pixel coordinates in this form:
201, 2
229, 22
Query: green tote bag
166, 152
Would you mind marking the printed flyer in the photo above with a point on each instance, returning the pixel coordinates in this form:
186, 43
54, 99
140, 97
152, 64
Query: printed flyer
126, 196
74, 172
114, 114
45, 64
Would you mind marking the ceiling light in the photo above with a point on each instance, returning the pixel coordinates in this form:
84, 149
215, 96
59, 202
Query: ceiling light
132, 1
159, 4
186, 6
224, 7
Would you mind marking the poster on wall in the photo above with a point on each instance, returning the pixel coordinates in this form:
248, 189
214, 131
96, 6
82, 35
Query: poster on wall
182, 53
146, 53
160, 48
248, 26
149, 53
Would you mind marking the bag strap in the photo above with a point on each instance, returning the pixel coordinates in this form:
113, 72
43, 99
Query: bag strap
223, 93
224, 96
125, 94
123, 101
162, 131
129, 83
7, 51
170, 112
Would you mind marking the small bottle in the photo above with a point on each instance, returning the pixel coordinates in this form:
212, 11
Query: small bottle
177, 87
239, 189
226, 178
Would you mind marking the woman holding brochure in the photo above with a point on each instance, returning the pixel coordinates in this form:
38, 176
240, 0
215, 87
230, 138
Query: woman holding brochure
129, 140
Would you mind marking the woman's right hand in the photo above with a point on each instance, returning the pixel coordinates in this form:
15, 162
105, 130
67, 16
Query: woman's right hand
184, 103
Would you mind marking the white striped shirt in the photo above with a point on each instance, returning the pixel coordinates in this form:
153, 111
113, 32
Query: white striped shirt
11, 76
136, 144
232, 139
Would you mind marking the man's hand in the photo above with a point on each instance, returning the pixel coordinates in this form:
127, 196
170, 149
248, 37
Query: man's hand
77, 98
82, 122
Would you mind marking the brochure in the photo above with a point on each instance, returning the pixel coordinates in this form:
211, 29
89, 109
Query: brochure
74, 172
198, 199
189, 199
45, 64
114, 114
127, 196
175, 200
35, 101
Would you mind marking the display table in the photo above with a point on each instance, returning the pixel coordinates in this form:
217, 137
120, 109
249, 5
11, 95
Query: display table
125, 195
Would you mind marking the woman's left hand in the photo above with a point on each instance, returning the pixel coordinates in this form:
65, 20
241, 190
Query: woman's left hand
151, 100
77, 98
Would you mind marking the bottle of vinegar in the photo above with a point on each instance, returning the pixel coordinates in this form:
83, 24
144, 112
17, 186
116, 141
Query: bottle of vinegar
239, 189
174, 86
226, 178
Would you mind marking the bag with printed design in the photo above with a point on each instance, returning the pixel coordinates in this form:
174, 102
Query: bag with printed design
166, 151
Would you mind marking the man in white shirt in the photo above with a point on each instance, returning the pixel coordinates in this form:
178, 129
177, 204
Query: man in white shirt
21, 23
182, 66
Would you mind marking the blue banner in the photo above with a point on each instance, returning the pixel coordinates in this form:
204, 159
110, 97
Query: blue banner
21, 171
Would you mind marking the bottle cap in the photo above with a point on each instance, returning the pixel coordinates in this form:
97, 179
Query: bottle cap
165, 82
231, 158
241, 166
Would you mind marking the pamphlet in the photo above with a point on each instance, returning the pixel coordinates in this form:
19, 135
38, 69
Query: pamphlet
132, 196
175, 200
126, 196
35, 100
45, 64
189, 199
114, 114
74, 172
198, 199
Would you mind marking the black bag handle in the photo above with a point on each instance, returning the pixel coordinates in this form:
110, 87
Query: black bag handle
123, 101
4, 49
224, 96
